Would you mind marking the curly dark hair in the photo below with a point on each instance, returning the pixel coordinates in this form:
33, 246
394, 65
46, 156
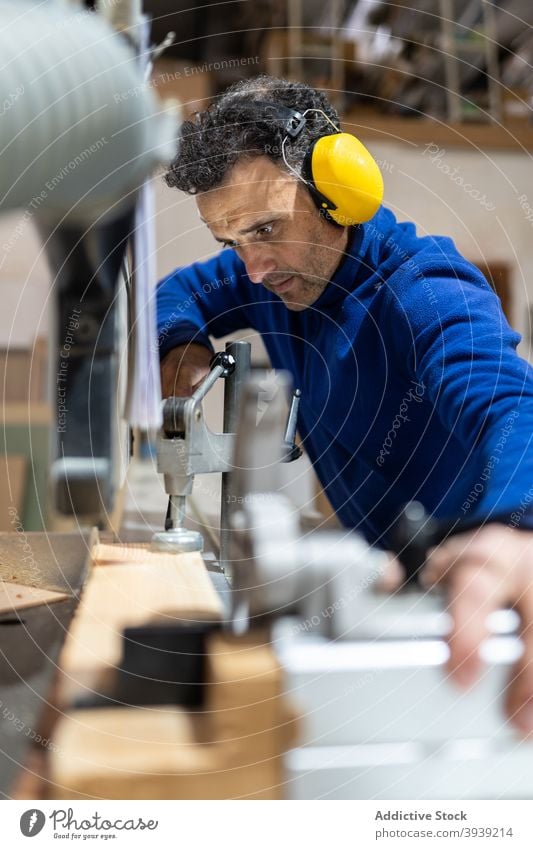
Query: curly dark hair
237, 126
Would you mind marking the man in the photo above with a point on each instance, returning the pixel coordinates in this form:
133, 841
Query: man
411, 385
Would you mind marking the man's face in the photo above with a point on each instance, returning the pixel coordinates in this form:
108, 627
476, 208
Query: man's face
270, 219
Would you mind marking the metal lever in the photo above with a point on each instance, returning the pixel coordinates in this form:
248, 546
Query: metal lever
176, 537
291, 451
414, 533
222, 365
240, 352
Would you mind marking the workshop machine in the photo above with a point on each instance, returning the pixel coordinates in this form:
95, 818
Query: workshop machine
81, 132
365, 668
378, 717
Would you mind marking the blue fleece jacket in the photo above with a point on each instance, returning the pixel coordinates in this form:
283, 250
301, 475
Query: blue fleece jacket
411, 384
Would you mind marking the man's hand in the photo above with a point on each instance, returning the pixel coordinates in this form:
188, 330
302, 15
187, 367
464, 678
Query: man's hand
484, 570
183, 369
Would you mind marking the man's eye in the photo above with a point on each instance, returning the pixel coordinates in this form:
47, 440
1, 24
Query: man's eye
264, 230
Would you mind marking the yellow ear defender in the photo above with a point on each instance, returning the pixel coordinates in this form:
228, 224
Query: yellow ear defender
342, 176
346, 176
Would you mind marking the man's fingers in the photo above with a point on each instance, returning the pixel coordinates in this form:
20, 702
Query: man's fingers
183, 370
483, 571
442, 559
470, 568
393, 575
519, 700
472, 595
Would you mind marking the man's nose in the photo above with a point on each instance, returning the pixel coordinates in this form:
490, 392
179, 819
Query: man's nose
258, 263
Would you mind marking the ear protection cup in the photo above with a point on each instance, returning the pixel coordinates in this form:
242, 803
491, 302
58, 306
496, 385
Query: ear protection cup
344, 179
341, 175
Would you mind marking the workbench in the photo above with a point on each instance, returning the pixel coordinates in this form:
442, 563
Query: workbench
31, 640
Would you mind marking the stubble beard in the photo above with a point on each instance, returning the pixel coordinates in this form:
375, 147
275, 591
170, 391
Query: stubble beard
310, 285
306, 293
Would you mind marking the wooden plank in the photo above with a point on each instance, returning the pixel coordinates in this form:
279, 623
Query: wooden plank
155, 582
130, 585
15, 597
231, 749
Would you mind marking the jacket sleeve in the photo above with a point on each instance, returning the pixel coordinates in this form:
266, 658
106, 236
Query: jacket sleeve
201, 300
448, 326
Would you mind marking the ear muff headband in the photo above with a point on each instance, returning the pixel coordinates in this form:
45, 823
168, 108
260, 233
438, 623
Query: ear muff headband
341, 175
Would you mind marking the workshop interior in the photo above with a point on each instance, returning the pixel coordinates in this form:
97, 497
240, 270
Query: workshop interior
182, 614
